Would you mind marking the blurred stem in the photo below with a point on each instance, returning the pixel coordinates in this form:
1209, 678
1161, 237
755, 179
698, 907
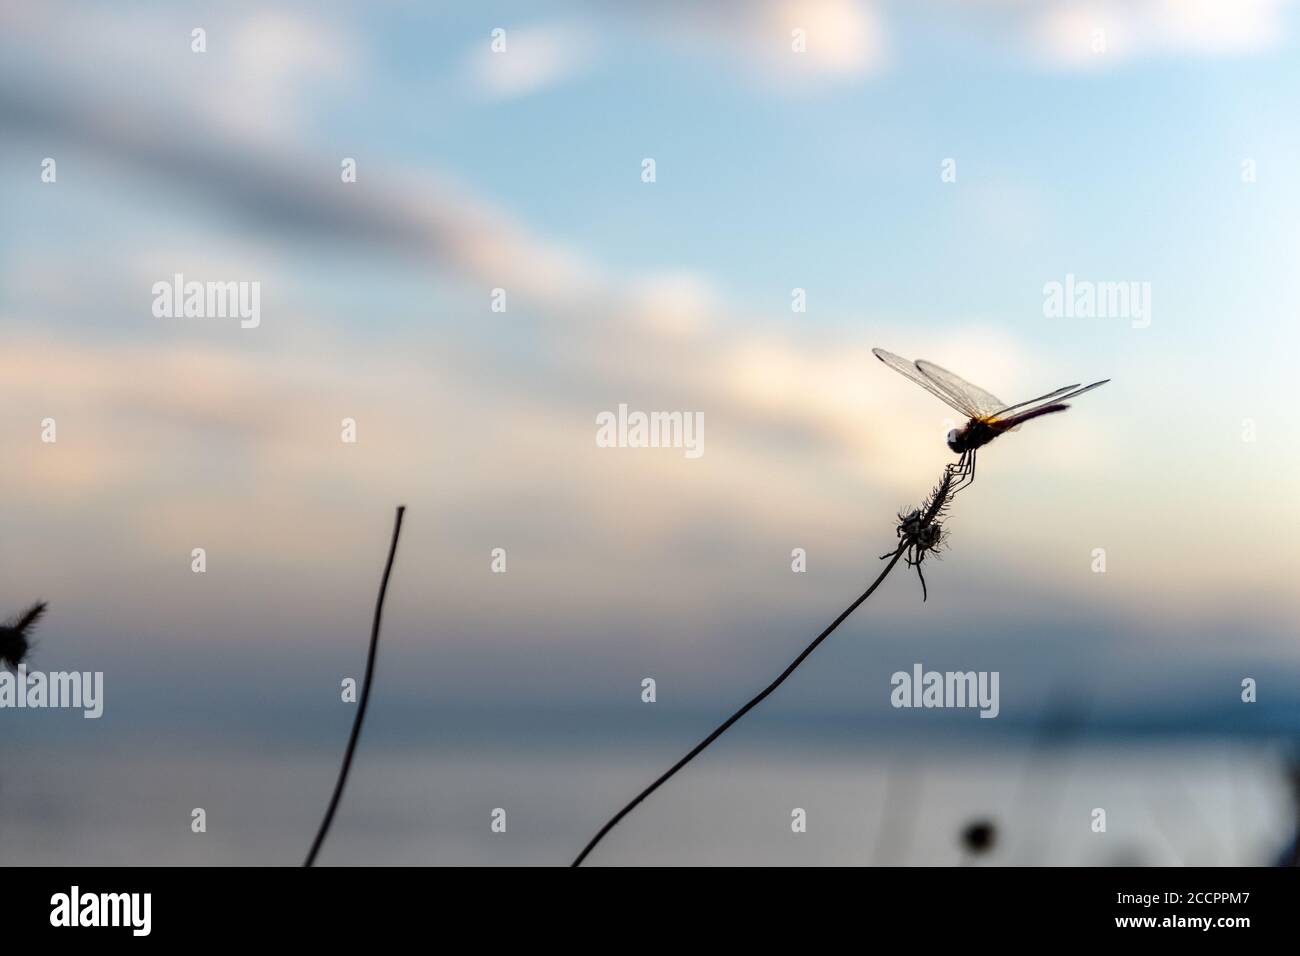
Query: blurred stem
365, 695
753, 702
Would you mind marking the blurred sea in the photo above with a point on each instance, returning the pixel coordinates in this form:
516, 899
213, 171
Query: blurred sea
1202, 802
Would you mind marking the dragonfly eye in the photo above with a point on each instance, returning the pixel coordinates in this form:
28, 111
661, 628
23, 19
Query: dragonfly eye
953, 435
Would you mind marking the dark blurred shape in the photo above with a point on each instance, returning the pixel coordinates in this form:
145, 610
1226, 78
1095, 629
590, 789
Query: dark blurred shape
1290, 855
14, 643
1126, 856
979, 836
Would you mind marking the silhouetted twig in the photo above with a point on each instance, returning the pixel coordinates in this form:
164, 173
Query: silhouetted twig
919, 533
365, 695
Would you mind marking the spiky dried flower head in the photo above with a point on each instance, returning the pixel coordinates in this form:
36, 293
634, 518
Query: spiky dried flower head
920, 532
922, 536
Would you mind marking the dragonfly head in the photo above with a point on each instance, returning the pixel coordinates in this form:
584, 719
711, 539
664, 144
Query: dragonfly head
954, 440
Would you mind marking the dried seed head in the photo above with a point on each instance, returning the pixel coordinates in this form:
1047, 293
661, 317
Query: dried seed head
929, 537
920, 531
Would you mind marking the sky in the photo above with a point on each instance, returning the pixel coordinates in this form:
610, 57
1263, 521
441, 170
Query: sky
921, 171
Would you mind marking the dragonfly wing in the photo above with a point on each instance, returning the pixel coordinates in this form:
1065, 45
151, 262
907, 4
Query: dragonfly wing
1051, 398
1079, 391
1002, 412
910, 370
1025, 410
971, 399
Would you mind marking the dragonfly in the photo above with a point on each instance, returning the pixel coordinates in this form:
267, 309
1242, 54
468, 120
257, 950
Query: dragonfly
988, 416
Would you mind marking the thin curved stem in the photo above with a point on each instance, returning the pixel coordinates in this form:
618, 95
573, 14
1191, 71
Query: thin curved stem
753, 702
365, 695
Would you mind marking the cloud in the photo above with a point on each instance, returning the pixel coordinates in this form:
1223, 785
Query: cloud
669, 338
840, 38
415, 215
847, 39
677, 304
271, 61
259, 69
529, 60
1106, 32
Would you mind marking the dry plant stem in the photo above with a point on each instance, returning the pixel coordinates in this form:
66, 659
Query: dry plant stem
365, 695
753, 702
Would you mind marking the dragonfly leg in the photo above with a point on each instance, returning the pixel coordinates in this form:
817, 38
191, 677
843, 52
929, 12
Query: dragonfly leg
965, 470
